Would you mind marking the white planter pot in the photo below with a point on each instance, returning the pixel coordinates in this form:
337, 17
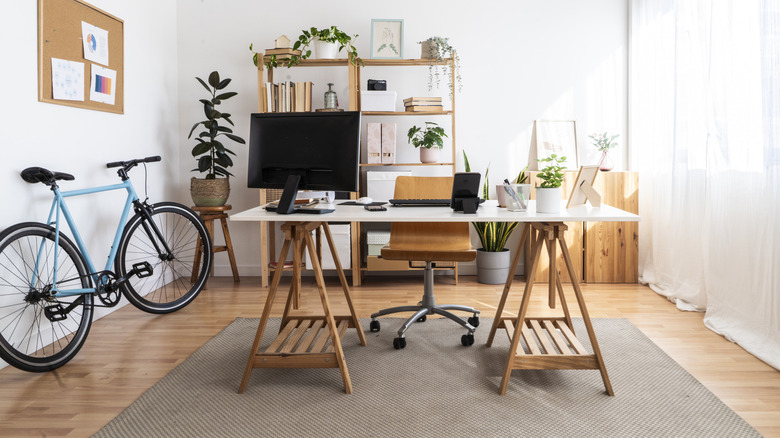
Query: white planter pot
493, 267
323, 50
429, 155
548, 200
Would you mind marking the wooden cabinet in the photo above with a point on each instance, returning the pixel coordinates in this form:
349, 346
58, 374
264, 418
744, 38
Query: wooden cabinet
354, 97
602, 252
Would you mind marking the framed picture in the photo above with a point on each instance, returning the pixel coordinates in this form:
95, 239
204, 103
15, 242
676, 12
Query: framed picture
387, 39
557, 137
583, 188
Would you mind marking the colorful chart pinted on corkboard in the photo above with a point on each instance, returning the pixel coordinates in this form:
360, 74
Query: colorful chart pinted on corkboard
80, 56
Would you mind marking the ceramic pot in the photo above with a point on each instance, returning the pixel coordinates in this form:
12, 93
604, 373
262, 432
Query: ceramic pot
548, 200
429, 155
209, 192
325, 50
493, 267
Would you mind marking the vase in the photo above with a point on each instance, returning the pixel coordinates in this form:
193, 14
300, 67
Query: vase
605, 164
548, 200
325, 50
209, 192
493, 267
429, 155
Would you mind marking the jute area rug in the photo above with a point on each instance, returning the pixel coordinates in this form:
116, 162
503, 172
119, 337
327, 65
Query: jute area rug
434, 387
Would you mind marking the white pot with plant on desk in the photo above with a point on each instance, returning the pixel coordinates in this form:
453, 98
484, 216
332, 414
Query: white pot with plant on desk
548, 192
430, 140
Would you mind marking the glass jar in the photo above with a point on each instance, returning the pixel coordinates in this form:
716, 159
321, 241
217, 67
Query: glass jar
331, 100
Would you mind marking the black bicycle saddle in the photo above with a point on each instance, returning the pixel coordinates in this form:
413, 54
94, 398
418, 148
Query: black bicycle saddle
34, 175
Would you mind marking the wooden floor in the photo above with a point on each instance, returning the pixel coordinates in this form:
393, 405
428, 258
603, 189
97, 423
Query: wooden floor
129, 351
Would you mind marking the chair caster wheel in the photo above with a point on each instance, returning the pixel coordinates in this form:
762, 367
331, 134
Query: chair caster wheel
374, 326
399, 343
467, 340
474, 321
422, 318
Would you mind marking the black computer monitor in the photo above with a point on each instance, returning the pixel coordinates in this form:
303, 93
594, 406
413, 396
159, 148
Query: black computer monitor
321, 148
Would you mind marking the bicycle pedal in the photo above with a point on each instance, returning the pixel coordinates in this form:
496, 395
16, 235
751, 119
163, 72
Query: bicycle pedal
55, 312
143, 269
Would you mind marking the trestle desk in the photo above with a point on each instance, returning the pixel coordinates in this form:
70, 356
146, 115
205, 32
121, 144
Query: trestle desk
536, 343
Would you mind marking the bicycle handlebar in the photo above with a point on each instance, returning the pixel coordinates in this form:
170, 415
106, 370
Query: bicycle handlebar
132, 163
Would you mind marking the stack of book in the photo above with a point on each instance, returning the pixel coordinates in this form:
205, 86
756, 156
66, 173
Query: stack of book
423, 104
287, 97
281, 54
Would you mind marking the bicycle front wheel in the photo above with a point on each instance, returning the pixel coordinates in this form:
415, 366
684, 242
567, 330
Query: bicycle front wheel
38, 331
176, 278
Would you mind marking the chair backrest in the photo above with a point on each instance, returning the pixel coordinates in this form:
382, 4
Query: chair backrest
427, 240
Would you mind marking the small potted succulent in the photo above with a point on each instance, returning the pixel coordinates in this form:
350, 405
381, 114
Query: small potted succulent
213, 158
603, 142
548, 193
429, 139
437, 49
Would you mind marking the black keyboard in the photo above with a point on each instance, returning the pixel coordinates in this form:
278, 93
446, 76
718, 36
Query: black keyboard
421, 202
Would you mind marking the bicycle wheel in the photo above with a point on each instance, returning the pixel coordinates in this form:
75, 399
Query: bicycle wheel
39, 332
175, 281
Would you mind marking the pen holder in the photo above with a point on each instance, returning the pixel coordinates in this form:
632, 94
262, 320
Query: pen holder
519, 202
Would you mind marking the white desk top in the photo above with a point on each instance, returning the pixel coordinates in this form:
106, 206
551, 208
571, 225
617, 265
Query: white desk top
487, 212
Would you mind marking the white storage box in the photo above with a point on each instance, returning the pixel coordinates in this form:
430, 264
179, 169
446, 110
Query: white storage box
341, 238
381, 185
376, 240
377, 100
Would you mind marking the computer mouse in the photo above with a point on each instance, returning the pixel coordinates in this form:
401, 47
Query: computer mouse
365, 200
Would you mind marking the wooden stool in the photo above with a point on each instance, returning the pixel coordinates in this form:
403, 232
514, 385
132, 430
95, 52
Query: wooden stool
209, 214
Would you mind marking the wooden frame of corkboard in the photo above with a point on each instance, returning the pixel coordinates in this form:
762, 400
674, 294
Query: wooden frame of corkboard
59, 36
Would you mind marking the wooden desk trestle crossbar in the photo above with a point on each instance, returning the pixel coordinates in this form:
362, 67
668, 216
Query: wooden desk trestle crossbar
550, 342
305, 341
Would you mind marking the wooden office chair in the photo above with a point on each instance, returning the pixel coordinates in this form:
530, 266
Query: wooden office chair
428, 242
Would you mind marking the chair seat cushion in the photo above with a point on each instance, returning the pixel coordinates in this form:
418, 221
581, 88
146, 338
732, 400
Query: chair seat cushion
464, 255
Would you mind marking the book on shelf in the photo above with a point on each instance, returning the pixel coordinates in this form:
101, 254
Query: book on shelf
282, 51
423, 108
423, 100
287, 96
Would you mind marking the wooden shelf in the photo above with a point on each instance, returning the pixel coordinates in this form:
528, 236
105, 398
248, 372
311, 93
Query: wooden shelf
404, 62
406, 113
403, 164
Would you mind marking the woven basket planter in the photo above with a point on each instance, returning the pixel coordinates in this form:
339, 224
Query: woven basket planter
209, 192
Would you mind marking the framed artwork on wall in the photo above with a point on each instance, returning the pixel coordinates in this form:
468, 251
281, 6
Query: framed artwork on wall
387, 39
557, 137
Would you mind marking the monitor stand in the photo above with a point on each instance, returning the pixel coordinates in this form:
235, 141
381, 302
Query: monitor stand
287, 201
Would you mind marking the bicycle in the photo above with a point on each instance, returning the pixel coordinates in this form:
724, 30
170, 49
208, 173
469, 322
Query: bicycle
48, 283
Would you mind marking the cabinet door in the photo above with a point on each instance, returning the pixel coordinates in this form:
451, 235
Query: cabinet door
573, 237
612, 248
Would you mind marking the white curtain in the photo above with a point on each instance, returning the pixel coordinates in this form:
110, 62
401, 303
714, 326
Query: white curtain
704, 131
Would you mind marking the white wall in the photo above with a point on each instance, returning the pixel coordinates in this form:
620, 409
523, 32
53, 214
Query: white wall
80, 141
521, 60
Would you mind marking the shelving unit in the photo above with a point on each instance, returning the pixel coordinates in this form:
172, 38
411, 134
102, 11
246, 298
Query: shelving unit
354, 94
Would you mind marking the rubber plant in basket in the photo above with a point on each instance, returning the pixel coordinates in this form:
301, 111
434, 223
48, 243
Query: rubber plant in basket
213, 158
493, 259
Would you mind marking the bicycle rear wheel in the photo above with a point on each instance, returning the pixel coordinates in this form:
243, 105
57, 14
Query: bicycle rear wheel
176, 280
39, 332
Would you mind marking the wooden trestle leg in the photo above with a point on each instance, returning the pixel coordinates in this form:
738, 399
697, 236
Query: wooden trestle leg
550, 342
304, 341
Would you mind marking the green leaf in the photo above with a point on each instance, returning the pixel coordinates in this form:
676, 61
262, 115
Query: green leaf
466, 162
204, 84
223, 83
225, 96
214, 79
201, 148
204, 163
193, 129
236, 138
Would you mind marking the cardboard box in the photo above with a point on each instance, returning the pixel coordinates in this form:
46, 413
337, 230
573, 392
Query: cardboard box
381, 185
341, 238
377, 100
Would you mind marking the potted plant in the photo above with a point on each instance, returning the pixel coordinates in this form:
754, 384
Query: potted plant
212, 156
604, 143
493, 259
548, 193
430, 140
437, 49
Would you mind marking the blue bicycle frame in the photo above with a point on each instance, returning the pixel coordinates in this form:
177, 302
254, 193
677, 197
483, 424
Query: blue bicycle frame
60, 207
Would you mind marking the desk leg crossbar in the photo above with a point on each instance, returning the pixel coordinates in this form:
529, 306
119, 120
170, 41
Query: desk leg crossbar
546, 343
306, 341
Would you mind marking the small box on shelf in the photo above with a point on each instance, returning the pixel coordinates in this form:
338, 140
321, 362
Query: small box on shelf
378, 100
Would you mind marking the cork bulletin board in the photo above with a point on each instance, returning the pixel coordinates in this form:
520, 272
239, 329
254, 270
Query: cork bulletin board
66, 64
